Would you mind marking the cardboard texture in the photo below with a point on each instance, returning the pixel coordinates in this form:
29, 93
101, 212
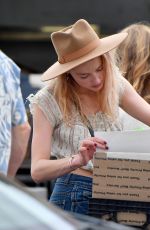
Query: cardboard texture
121, 179
136, 219
120, 173
123, 172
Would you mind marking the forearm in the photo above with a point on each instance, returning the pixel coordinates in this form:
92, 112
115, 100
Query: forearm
43, 170
20, 138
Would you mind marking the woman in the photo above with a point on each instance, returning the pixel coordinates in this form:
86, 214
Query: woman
133, 59
83, 96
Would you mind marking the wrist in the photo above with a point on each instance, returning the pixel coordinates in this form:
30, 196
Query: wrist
74, 162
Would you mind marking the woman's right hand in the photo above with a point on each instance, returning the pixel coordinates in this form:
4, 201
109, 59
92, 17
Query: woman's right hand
87, 149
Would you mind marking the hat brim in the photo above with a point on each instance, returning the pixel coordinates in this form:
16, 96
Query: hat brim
105, 45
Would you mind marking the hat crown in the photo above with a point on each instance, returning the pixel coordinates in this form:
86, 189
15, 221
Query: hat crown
74, 41
78, 44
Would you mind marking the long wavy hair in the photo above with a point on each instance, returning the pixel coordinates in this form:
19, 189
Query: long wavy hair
133, 58
66, 94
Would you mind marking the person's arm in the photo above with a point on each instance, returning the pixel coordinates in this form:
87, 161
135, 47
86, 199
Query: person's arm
134, 104
42, 168
20, 137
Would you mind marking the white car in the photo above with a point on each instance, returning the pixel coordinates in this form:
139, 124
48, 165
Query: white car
22, 210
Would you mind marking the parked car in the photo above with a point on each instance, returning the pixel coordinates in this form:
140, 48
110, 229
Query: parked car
23, 210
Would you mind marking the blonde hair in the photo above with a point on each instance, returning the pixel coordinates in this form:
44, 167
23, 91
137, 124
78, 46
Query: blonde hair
133, 58
67, 96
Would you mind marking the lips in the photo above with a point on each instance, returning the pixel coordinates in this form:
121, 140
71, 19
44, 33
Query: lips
96, 86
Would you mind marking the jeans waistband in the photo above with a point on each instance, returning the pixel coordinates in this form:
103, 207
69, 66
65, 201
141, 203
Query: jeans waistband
74, 177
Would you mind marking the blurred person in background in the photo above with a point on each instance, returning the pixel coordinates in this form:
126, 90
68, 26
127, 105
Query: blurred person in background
14, 126
83, 93
133, 59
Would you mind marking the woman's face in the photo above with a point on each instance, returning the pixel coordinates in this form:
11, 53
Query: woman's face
89, 75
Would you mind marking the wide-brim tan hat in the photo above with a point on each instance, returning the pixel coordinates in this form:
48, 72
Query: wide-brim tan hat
77, 44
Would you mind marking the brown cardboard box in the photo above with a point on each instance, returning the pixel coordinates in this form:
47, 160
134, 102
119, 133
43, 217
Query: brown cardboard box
121, 179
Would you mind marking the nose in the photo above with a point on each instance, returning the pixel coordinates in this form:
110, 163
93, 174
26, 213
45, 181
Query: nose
96, 79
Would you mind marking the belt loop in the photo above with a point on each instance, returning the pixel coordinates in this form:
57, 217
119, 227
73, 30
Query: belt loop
67, 178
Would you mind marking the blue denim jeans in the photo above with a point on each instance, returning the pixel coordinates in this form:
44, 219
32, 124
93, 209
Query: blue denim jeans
71, 193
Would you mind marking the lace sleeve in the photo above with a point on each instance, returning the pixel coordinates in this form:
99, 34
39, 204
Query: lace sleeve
47, 103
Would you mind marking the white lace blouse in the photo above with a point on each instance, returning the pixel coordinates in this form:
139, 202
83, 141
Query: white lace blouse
66, 139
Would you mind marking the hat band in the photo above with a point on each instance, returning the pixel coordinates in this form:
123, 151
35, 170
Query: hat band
79, 53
